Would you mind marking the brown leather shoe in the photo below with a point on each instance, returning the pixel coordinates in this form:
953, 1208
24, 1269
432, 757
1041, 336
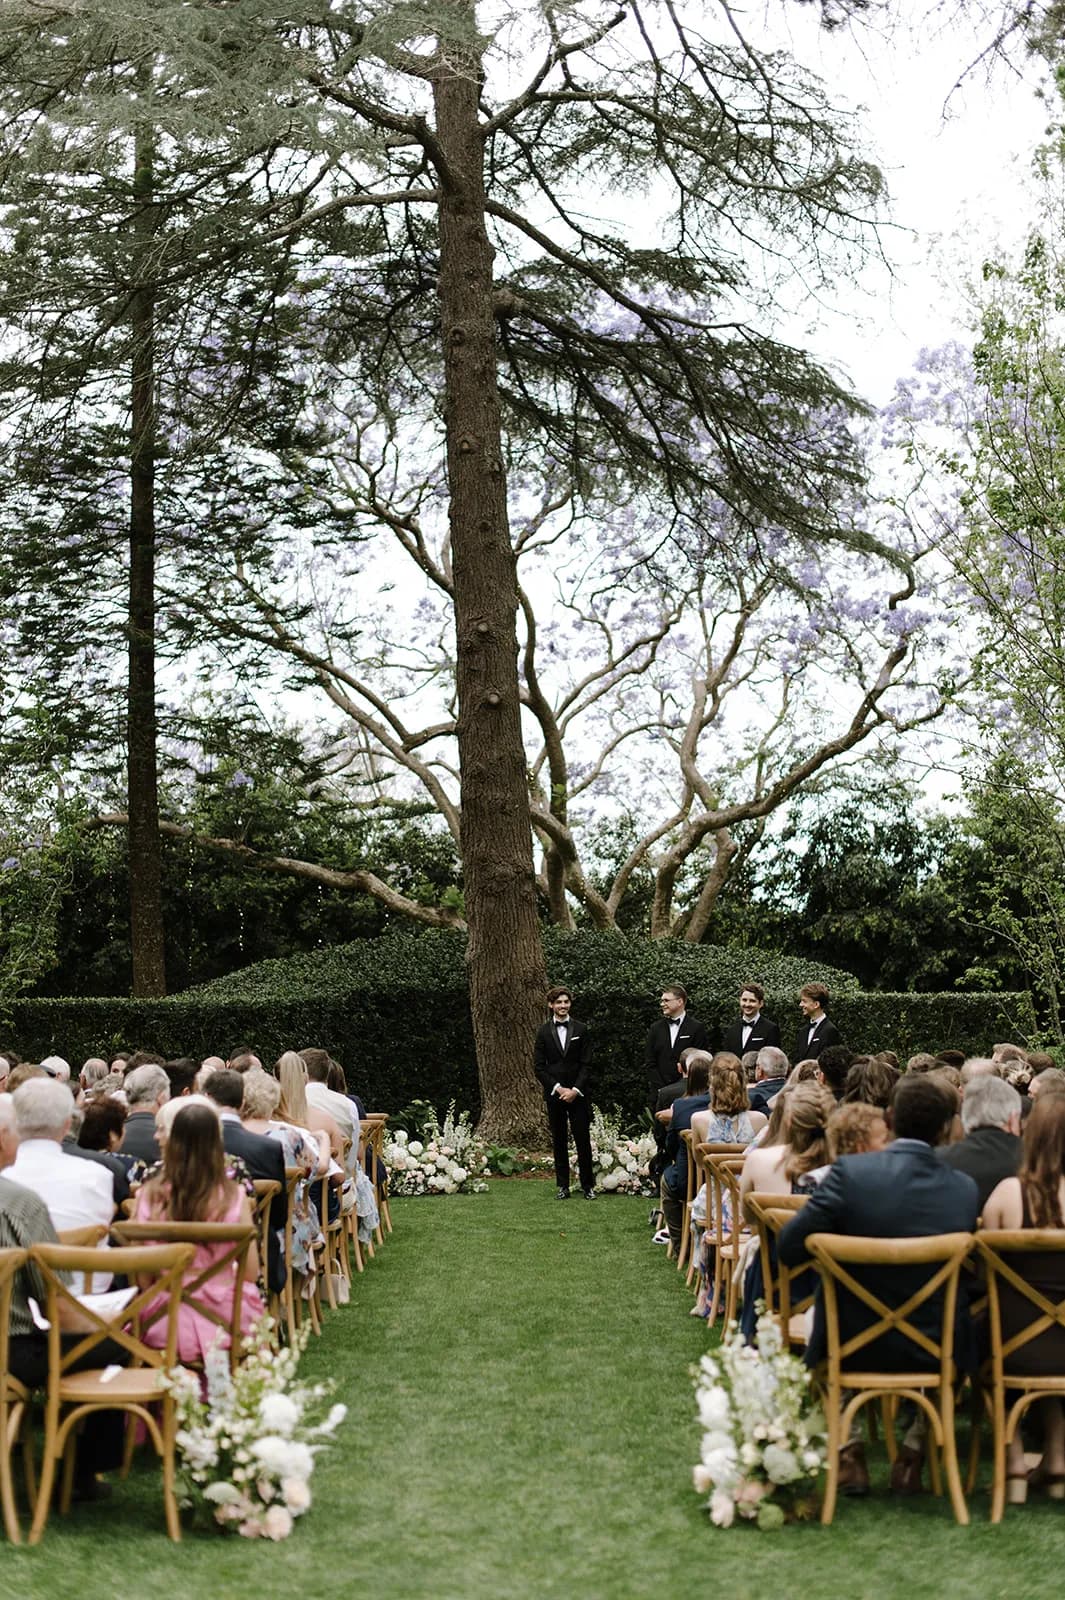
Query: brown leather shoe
906, 1471
853, 1472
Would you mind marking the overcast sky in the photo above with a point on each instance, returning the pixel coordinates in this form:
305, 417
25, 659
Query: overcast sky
957, 161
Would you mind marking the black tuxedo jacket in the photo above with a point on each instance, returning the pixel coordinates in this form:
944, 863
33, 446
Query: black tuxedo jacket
811, 1041
569, 1067
661, 1057
264, 1158
903, 1192
765, 1032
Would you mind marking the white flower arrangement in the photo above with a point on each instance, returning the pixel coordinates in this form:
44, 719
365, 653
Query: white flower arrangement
449, 1160
247, 1446
619, 1159
764, 1437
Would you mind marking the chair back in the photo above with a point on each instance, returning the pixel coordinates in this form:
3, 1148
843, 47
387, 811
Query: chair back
726, 1167
11, 1262
232, 1242
161, 1265
1002, 1251
90, 1237
836, 1255
265, 1191
769, 1214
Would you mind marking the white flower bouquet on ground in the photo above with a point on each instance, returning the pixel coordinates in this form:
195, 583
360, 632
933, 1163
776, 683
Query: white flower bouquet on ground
764, 1436
246, 1447
620, 1159
446, 1160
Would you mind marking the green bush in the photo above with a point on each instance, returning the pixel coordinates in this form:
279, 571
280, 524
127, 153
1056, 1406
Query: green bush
395, 1012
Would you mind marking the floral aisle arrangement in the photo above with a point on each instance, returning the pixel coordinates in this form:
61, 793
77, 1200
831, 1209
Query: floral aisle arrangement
620, 1159
247, 1441
446, 1160
764, 1436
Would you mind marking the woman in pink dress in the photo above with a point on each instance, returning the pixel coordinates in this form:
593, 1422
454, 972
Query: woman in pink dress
193, 1187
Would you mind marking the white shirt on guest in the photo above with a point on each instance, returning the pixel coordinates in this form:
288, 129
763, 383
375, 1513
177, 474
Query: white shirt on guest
78, 1193
342, 1110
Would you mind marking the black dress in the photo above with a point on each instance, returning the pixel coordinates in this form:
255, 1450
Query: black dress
1045, 1271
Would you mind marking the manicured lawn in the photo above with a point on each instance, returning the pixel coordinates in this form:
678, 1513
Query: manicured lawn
522, 1426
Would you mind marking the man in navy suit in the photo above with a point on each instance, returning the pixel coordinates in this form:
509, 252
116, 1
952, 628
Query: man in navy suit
676, 1031
562, 1059
265, 1159
903, 1192
751, 1030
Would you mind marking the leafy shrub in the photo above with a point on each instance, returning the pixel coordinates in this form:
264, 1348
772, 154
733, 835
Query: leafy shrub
395, 1012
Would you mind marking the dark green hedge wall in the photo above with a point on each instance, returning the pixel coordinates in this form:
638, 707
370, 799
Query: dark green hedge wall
395, 1012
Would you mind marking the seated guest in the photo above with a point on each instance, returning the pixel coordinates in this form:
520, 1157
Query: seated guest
72, 1146
301, 1148
1039, 1061
979, 1067
263, 1157
668, 1094
102, 1127
794, 1165
728, 1119
93, 1071
56, 1067
1035, 1198
833, 1065
923, 1062
901, 1192
770, 1076
181, 1073
193, 1187
871, 1081
22, 1074
25, 1222
337, 1106
855, 1128
673, 1187
78, 1194
951, 1058
1050, 1081
991, 1147
147, 1089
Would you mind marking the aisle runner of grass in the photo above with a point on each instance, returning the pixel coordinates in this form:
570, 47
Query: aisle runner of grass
522, 1426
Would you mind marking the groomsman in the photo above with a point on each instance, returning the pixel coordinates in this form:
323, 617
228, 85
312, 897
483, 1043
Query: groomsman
562, 1058
676, 1031
751, 1030
816, 1032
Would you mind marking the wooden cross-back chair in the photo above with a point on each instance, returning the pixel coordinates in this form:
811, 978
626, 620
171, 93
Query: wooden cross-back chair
236, 1240
685, 1249
89, 1237
74, 1390
265, 1191
725, 1169
14, 1405
1009, 1390
701, 1154
848, 1387
769, 1214
333, 1261
372, 1137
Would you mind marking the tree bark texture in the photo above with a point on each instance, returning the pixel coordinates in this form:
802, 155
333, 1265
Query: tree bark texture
145, 854
506, 969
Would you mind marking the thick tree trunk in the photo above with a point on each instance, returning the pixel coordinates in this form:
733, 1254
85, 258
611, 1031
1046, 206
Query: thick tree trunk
145, 870
506, 968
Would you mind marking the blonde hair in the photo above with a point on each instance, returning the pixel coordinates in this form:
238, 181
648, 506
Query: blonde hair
809, 1109
728, 1085
261, 1093
291, 1072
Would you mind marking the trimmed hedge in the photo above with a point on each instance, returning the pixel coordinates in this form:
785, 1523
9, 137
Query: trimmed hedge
395, 1012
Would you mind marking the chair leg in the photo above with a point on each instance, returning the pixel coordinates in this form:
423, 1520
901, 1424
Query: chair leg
170, 1505
7, 1485
832, 1417
386, 1215
950, 1460
44, 1488
66, 1489
998, 1444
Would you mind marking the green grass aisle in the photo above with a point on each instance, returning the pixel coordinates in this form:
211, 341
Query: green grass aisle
522, 1426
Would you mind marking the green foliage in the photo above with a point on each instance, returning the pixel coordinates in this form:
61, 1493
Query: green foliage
395, 1012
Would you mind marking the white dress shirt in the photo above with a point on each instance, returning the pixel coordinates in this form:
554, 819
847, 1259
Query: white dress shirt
342, 1110
78, 1193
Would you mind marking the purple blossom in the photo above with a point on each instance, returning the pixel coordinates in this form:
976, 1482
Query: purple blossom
240, 780
9, 864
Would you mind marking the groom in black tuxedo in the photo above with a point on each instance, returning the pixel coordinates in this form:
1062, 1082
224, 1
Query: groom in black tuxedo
676, 1031
751, 1030
562, 1057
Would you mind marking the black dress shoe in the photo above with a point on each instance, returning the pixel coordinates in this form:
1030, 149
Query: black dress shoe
563, 1194
589, 1194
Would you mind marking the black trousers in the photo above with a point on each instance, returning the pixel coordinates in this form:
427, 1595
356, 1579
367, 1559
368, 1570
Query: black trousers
100, 1445
564, 1115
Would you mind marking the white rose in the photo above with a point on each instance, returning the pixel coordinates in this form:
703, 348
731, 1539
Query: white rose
722, 1509
702, 1480
277, 1523
442, 1163
415, 1147
222, 1494
279, 1413
811, 1460
401, 1137
780, 1464
459, 1174
606, 1159
714, 1407
721, 1465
